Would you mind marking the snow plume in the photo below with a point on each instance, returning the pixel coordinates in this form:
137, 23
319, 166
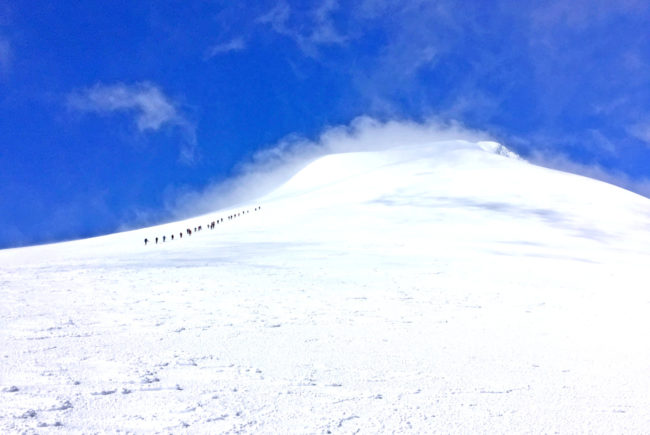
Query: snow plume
237, 44
149, 106
273, 166
563, 163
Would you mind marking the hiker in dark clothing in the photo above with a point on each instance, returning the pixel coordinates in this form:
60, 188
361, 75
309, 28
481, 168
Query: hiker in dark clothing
156, 240
164, 237
172, 237
145, 242
181, 235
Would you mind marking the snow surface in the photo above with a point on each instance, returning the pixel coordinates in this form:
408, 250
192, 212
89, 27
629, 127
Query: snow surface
446, 288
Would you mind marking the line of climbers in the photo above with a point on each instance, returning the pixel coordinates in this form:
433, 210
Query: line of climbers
211, 226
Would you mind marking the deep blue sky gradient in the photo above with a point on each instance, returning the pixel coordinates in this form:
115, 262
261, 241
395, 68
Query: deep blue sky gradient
566, 83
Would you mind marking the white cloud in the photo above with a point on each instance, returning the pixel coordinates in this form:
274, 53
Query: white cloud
236, 44
149, 106
310, 30
273, 166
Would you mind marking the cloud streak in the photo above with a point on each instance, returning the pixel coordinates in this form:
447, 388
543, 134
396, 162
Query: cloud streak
310, 29
234, 45
149, 107
641, 131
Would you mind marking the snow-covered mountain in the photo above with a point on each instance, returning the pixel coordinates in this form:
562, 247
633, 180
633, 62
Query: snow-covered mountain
444, 288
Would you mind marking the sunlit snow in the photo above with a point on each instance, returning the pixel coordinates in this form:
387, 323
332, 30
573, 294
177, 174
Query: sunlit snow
452, 287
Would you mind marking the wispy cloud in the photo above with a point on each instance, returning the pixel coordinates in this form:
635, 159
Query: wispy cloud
576, 73
397, 42
559, 161
324, 30
310, 29
150, 107
236, 44
574, 53
274, 165
641, 131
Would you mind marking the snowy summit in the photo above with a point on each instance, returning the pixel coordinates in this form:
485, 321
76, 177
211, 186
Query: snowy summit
447, 287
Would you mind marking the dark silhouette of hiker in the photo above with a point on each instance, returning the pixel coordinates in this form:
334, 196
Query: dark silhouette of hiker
164, 237
156, 240
172, 237
145, 242
180, 234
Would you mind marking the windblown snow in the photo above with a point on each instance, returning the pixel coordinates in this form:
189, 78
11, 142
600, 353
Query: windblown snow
449, 288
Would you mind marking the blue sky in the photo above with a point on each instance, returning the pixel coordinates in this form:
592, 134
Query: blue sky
113, 113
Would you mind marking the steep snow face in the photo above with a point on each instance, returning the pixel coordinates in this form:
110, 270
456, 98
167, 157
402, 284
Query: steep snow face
451, 287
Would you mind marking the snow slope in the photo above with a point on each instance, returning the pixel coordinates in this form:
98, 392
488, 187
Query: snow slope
448, 288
